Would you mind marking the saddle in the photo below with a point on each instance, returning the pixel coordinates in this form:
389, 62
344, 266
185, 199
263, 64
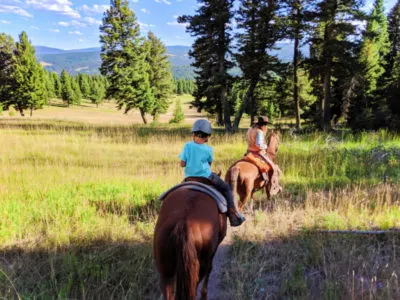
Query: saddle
261, 164
202, 187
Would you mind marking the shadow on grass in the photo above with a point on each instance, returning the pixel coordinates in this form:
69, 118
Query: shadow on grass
135, 213
101, 269
313, 266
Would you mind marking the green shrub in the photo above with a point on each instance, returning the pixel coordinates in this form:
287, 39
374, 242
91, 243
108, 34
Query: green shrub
178, 116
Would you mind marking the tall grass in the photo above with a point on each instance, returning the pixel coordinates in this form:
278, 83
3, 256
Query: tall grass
78, 204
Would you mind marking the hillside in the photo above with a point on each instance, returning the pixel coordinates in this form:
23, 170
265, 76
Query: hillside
88, 60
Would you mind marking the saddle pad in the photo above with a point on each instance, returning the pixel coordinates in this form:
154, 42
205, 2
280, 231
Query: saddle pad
201, 187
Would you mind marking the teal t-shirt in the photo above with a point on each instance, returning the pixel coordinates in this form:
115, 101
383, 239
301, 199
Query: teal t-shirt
198, 158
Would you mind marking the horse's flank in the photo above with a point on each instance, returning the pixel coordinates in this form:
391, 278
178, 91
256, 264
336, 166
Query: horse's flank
187, 234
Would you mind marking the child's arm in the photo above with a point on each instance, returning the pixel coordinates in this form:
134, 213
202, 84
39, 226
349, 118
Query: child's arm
183, 163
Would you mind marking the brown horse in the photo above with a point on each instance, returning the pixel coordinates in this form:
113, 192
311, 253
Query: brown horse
187, 234
245, 178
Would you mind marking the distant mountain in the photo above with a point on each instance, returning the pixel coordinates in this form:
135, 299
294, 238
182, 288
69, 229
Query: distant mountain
88, 60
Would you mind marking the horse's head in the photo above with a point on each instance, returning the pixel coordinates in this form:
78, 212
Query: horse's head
273, 141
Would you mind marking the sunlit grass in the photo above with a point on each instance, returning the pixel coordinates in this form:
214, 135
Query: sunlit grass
75, 194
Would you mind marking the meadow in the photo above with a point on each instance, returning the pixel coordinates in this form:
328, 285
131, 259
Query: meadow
79, 204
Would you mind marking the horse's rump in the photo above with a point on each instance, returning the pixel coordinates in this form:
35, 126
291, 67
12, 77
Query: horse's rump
186, 237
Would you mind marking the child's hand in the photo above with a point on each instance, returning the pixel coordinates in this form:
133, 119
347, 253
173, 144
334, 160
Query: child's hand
183, 163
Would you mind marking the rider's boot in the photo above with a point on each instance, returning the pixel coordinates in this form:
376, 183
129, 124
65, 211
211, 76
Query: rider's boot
235, 218
265, 176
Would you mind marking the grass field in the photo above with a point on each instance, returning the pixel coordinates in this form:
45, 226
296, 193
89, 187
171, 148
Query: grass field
78, 207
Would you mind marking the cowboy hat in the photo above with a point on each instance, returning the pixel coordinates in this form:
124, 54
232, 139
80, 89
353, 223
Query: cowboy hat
262, 120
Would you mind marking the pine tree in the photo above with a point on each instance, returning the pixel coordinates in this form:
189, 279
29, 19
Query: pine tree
160, 76
28, 74
84, 85
7, 65
50, 90
394, 37
260, 30
56, 84
97, 92
210, 26
77, 97
332, 49
297, 29
178, 115
67, 93
123, 55
375, 46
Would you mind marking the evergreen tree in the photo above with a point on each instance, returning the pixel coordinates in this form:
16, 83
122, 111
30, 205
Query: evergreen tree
394, 36
123, 55
333, 48
260, 30
67, 93
375, 46
97, 92
159, 75
297, 29
210, 26
84, 85
56, 84
178, 115
50, 90
30, 87
77, 97
7, 65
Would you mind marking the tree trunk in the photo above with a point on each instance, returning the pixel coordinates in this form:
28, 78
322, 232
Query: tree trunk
156, 117
296, 64
31, 111
243, 106
326, 101
21, 111
252, 100
223, 75
143, 115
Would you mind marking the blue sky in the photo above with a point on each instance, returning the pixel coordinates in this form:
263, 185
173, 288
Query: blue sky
73, 24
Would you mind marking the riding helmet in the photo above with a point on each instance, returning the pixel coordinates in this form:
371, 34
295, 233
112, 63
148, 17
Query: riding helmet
202, 125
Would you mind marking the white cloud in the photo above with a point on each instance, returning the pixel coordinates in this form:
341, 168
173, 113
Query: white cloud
175, 23
10, 9
63, 7
163, 1
144, 25
5, 22
76, 32
145, 11
34, 27
80, 24
54, 30
92, 21
95, 9
81, 40
65, 24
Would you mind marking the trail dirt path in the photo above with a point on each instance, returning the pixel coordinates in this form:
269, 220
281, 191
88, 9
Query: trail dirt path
214, 290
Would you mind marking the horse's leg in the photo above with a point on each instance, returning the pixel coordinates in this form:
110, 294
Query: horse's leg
249, 190
204, 288
168, 288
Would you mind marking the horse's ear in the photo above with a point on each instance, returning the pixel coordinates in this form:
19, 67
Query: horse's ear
278, 131
272, 131
219, 173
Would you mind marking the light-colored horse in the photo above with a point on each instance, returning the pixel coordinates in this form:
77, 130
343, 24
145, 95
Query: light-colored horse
245, 178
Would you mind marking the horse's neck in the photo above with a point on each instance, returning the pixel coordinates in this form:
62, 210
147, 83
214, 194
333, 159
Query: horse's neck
271, 155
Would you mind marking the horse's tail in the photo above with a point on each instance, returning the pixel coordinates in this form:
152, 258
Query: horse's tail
187, 267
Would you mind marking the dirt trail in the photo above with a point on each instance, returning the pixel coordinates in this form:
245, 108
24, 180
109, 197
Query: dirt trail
214, 291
